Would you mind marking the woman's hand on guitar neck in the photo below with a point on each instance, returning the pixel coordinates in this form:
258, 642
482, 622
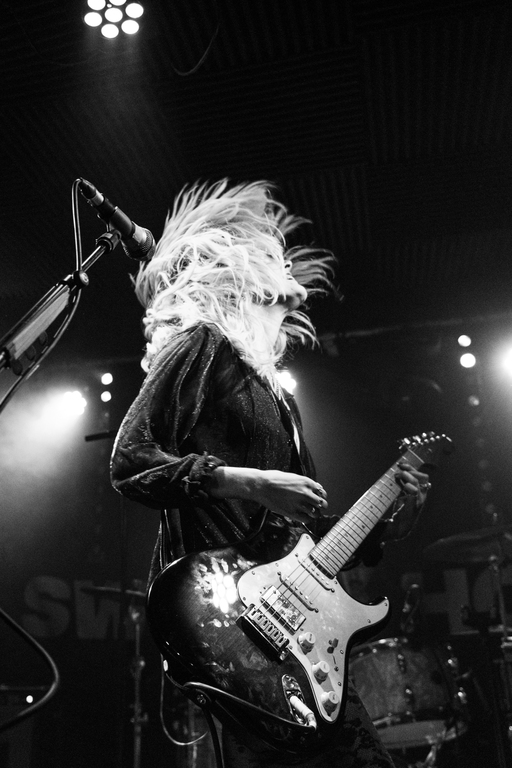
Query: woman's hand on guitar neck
413, 482
285, 493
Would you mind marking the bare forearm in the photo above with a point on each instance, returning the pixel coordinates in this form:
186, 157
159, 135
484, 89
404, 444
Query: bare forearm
285, 493
237, 483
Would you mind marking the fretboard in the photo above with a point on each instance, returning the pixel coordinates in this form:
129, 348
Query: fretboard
339, 544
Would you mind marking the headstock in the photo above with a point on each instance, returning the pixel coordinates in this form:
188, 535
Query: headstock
426, 448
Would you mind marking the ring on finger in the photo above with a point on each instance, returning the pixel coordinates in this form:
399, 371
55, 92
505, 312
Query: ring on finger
425, 486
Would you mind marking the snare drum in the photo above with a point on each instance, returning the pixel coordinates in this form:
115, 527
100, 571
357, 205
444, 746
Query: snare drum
410, 692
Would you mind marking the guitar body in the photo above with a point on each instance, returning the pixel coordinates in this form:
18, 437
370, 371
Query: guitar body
268, 643
267, 634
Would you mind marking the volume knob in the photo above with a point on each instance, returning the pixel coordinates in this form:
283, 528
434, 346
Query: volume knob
307, 641
330, 701
320, 670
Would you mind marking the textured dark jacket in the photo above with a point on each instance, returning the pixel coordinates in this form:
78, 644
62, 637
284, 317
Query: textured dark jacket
199, 406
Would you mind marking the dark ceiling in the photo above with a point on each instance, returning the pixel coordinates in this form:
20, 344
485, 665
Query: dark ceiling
387, 123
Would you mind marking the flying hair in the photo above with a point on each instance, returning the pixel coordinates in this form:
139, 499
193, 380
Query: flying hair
216, 258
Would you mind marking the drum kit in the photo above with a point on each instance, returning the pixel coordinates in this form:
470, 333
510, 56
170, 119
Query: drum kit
428, 712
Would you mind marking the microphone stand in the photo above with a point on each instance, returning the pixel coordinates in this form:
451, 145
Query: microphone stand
22, 349
24, 346
140, 718
129, 611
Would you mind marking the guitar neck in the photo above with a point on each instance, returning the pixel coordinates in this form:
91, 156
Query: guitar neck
339, 544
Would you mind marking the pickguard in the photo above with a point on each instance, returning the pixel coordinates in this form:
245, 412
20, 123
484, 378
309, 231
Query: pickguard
315, 615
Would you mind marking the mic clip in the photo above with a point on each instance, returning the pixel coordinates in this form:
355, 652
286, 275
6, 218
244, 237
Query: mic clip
109, 239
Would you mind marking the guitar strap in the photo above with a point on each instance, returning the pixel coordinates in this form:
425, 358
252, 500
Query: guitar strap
164, 546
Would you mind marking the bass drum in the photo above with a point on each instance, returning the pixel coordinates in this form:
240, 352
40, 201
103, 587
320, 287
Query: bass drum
410, 692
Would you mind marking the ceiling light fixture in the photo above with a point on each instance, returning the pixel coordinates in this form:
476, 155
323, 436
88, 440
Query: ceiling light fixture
113, 16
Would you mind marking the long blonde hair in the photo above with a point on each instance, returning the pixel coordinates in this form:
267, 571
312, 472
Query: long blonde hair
212, 262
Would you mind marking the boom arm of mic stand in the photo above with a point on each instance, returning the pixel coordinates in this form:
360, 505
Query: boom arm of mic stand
20, 340
27, 336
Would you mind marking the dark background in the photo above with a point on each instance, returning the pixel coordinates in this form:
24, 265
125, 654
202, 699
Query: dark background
388, 124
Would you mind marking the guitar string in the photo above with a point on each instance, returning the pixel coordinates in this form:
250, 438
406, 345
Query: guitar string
346, 538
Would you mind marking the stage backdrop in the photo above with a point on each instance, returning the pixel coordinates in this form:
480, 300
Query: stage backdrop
69, 543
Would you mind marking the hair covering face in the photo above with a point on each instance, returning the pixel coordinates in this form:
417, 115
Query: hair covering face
222, 249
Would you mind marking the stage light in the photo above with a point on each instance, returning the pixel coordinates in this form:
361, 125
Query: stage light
286, 380
106, 379
113, 16
464, 341
110, 31
506, 362
134, 10
130, 26
64, 407
106, 396
93, 19
467, 360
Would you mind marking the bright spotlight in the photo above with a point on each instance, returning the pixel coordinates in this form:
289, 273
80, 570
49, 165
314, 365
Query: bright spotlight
130, 26
71, 404
464, 341
93, 19
106, 396
135, 10
63, 408
110, 31
286, 380
467, 360
506, 362
113, 14
106, 379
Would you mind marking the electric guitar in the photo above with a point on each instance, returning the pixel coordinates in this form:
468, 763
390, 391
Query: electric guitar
265, 645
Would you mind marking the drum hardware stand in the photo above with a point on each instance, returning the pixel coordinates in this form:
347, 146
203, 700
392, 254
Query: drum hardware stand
431, 759
495, 567
140, 718
485, 548
500, 683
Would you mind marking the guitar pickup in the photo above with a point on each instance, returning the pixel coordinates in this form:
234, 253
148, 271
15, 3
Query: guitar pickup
280, 607
264, 632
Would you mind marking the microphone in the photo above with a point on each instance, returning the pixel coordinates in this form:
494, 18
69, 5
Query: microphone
138, 243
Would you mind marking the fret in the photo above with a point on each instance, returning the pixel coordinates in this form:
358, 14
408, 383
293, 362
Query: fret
340, 543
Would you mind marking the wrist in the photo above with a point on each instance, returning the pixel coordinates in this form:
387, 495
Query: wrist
235, 482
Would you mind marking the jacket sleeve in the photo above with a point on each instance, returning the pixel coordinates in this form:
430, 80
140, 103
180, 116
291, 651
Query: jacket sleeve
146, 464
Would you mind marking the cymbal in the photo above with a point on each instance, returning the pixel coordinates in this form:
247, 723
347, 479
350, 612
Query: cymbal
114, 592
471, 547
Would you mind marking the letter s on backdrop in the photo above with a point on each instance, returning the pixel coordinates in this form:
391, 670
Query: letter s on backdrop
51, 618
